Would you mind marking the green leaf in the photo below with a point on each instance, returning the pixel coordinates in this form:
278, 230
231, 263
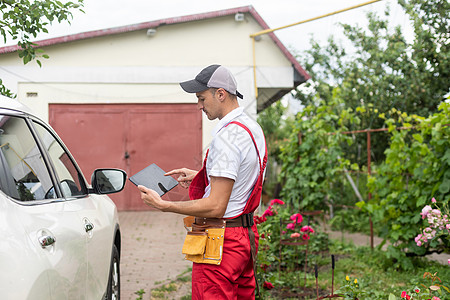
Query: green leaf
418, 137
445, 186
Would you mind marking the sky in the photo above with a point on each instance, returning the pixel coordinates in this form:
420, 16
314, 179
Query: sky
102, 14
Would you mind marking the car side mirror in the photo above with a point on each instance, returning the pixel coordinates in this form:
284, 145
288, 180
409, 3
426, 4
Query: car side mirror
108, 181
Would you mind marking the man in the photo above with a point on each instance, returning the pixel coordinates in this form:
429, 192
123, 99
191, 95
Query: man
228, 187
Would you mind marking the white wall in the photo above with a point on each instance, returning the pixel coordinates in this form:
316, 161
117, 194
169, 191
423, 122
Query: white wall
135, 68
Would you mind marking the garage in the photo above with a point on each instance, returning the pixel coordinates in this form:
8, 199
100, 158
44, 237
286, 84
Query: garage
131, 137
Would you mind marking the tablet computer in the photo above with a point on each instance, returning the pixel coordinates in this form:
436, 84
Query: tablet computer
153, 178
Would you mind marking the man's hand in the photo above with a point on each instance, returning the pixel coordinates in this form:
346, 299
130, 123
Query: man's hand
152, 198
185, 176
213, 206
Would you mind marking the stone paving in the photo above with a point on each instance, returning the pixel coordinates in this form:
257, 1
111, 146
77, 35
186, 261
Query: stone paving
151, 251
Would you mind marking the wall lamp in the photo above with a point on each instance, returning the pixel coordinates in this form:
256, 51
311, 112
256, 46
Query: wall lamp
239, 17
151, 32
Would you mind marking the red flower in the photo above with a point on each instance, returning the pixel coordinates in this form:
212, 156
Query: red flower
259, 220
408, 297
268, 285
291, 226
268, 212
297, 218
276, 201
307, 229
417, 291
305, 236
264, 267
403, 294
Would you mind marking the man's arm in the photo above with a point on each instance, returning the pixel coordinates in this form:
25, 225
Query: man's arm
213, 206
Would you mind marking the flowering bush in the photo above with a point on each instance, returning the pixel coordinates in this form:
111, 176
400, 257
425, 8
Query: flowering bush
426, 292
305, 230
270, 231
351, 289
268, 242
438, 230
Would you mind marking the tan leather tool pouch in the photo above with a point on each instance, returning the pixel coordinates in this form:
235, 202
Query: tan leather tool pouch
204, 244
195, 243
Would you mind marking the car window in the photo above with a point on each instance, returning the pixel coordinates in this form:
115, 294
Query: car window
67, 172
23, 174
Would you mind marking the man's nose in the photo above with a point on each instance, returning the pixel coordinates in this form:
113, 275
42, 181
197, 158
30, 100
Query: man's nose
199, 105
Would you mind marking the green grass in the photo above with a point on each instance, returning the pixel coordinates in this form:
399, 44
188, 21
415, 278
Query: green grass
165, 290
374, 273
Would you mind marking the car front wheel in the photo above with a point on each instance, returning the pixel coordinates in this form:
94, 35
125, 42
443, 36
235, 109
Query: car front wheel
113, 289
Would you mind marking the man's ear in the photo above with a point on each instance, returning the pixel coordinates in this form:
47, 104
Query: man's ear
221, 94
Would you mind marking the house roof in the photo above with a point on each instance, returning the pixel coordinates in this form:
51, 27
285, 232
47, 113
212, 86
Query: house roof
175, 20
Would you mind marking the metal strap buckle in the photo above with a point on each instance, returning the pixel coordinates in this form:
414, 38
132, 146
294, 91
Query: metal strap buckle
247, 220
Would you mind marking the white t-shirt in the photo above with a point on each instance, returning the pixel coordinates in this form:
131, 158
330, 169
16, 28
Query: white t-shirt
232, 154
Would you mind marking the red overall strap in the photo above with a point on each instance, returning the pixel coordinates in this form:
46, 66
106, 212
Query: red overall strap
199, 183
253, 201
255, 197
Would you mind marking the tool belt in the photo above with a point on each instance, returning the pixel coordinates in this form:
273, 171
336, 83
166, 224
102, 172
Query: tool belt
205, 236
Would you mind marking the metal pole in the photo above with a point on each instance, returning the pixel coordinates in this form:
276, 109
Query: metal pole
369, 196
313, 19
254, 67
253, 35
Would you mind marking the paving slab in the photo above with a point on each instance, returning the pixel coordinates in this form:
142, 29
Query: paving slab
151, 251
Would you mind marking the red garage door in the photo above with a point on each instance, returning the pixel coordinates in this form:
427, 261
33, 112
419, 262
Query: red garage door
130, 137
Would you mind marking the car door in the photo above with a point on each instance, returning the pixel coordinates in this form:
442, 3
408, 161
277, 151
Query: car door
56, 241
93, 214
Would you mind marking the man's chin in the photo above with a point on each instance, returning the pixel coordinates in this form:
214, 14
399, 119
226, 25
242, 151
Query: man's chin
209, 116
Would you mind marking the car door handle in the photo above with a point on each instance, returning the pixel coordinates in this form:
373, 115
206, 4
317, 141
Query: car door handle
88, 226
46, 240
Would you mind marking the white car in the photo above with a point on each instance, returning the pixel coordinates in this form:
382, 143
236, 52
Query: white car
59, 237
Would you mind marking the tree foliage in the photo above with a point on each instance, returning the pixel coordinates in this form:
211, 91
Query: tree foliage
416, 169
277, 127
384, 70
23, 20
382, 81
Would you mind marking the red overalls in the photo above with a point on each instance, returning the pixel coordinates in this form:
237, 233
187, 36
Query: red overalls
234, 278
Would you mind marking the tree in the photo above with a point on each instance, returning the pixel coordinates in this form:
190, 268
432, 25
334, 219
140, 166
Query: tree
277, 127
384, 71
23, 20
384, 81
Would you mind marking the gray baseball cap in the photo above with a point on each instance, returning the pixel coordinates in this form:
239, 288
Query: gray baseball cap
213, 76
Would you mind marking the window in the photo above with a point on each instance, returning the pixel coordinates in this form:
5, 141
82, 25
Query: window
23, 173
65, 169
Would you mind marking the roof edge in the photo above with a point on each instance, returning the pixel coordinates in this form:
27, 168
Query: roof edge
130, 28
173, 20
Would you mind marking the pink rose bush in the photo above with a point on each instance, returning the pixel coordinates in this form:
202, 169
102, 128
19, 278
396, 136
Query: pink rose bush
266, 255
439, 223
270, 211
305, 230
